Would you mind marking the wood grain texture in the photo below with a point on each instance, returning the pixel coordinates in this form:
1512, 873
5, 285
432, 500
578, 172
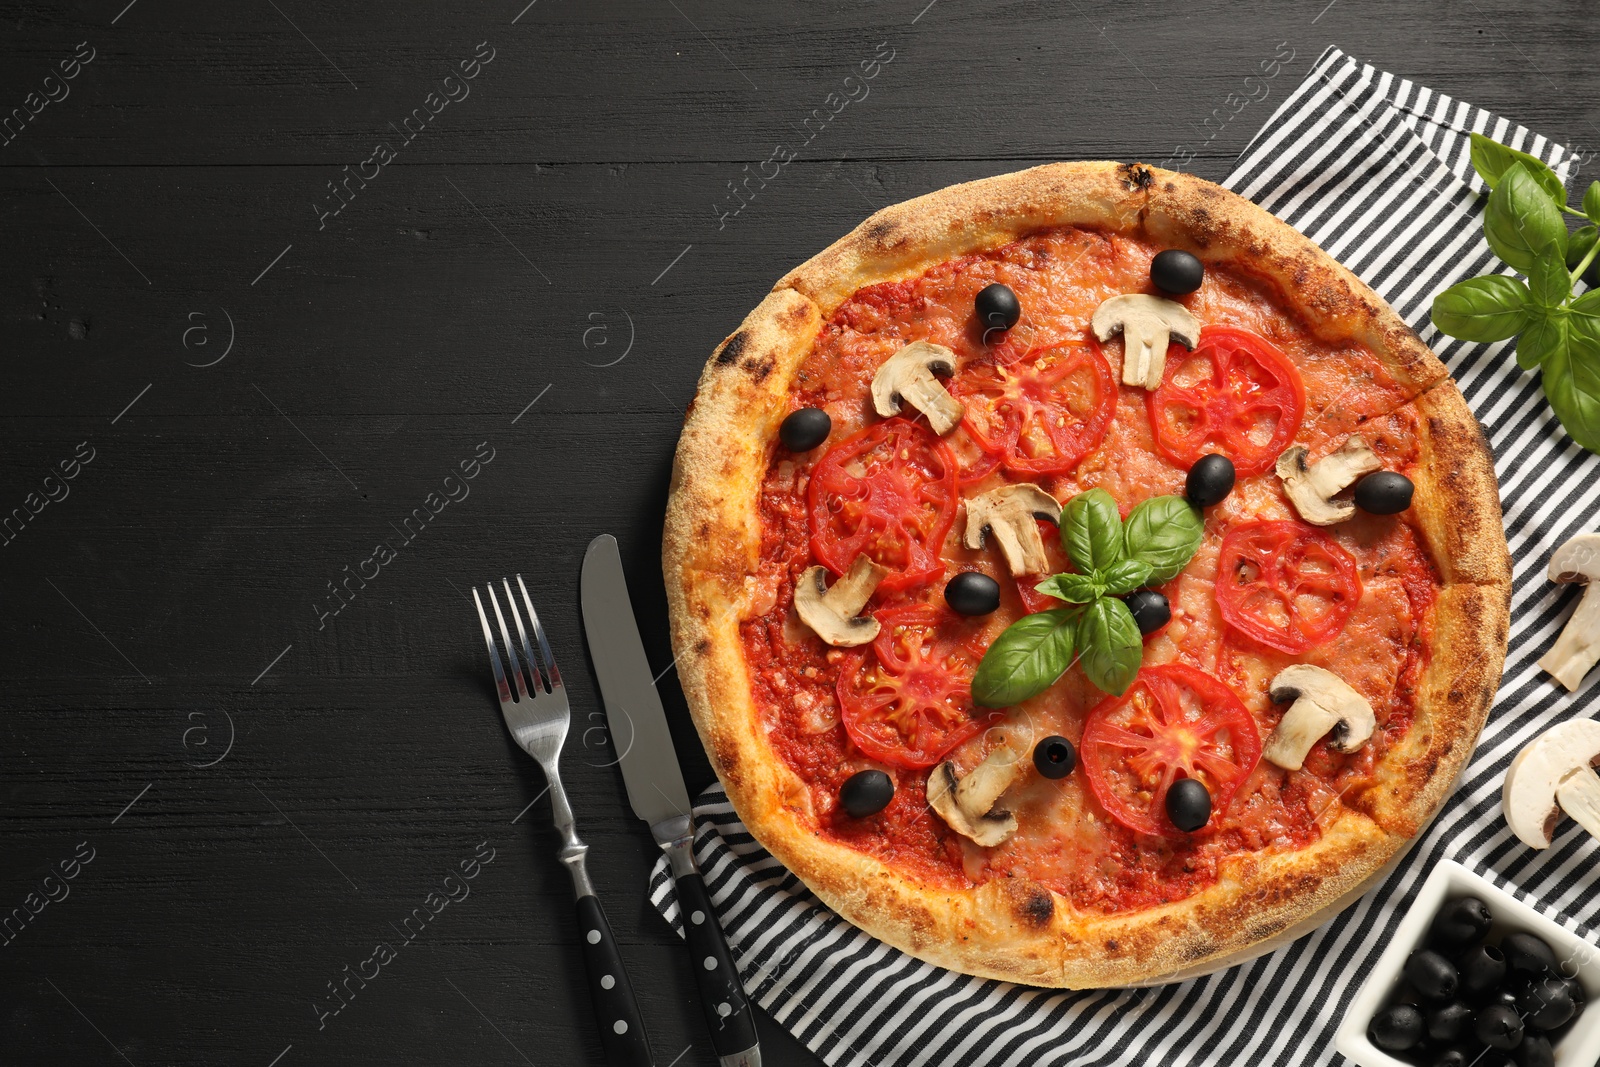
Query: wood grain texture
548, 210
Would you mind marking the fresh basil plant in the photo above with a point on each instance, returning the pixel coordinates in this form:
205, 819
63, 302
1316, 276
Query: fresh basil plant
1112, 558
1559, 334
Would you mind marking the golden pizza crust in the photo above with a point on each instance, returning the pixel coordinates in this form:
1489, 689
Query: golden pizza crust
1012, 929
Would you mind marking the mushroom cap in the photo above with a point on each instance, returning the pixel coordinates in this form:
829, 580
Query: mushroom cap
823, 613
1529, 795
1578, 560
1324, 704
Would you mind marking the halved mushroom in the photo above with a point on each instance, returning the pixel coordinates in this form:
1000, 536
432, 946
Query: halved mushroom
1147, 325
908, 376
967, 804
835, 613
1312, 487
1010, 512
1552, 775
1578, 647
1324, 704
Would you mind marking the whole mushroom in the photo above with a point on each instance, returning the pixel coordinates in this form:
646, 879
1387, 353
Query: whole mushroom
1552, 775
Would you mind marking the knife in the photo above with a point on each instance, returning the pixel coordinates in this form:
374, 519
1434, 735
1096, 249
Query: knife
655, 789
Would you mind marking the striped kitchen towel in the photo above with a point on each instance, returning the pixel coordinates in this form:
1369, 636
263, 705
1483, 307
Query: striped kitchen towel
1376, 170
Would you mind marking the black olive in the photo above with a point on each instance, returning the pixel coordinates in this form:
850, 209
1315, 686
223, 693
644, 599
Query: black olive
997, 306
1055, 757
1432, 975
1451, 1057
1396, 1028
1210, 480
866, 793
1499, 1026
1177, 271
1579, 995
1383, 493
1450, 1022
1189, 804
805, 429
1546, 1004
1460, 923
1150, 609
1482, 968
1528, 955
972, 593
1535, 1051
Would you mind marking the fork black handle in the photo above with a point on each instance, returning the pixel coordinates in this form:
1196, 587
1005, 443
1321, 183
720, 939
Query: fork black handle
722, 997
621, 1026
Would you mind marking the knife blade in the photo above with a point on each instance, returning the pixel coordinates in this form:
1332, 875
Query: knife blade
638, 726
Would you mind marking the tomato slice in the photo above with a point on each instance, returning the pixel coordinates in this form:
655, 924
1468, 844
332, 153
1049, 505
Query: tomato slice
1042, 413
1234, 394
1174, 721
889, 491
1285, 584
908, 700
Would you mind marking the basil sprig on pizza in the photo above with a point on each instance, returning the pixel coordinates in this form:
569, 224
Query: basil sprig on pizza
1078, 578
1112, 559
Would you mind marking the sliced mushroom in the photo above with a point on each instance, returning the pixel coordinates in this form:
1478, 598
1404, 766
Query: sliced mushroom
1010, 512
1578, 647
1312, 487
835, 614
967, 804
1324, 704
1552, 775
909, 376
1147, 325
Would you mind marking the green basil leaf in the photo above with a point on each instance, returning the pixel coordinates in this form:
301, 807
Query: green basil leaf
1491, 160
1125, 577
1587, 305
1026, 658
1578, 244
1548, 281
1112, 648
1490, 308
1522, 222
1591, 202
1073, 588
1572, 383
1545, 334
1164, 532
1091, 531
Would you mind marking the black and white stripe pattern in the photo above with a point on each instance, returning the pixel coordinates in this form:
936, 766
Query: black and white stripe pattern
1376, 170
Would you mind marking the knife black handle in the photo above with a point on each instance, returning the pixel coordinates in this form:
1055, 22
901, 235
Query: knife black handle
621, 1026
727, 1009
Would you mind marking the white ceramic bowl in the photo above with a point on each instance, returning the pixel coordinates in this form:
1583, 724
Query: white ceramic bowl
1581, 959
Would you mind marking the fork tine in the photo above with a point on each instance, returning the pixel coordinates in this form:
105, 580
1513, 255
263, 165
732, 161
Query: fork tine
535, 681
553, 675
494, 654
511, 650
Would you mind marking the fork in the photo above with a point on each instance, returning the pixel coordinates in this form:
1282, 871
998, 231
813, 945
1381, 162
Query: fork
538, 716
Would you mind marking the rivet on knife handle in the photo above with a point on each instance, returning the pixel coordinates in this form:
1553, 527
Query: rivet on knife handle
728, 1013
621, 1026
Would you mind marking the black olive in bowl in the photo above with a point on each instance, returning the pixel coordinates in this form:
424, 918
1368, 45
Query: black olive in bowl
1460, 924
1499, 1026
1483, 968
1529, 956
1433, 976
1450, 1022
1396, 1028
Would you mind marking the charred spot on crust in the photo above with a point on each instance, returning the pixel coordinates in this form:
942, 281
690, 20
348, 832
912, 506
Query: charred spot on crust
879, 230
1037, 907
703, 646
759, 368
733, 349
1112, 945
1136, 175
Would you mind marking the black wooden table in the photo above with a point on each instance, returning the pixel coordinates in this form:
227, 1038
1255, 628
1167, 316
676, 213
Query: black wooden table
277, 276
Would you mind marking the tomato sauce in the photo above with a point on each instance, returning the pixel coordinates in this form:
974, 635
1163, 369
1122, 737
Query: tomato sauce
1066, 839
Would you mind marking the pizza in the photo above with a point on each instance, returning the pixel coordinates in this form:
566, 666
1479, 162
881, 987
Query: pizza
1078, 578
